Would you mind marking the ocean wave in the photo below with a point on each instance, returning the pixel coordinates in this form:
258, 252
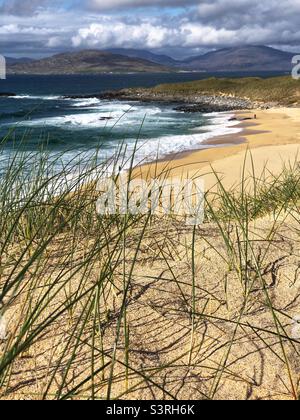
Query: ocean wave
164, 146
34, 97
109, 115
86, 103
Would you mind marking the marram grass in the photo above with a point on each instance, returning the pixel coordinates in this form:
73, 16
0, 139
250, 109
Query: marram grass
122, 307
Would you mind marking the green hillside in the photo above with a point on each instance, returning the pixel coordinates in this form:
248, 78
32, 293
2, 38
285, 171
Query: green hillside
284, 90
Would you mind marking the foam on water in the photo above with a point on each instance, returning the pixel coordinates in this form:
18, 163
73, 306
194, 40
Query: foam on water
86, 103
105, 115
186, 132
43, 98
146, 151
151, 149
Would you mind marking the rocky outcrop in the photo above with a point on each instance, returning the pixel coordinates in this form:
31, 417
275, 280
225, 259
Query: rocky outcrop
183, 103
215, 104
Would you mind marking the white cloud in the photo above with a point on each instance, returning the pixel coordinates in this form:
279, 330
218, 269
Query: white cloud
210, 24
8, 29
112, 32
195, 34
15, 29
54, 42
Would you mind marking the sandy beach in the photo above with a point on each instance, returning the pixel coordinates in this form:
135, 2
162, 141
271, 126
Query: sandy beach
273, 139
184, 313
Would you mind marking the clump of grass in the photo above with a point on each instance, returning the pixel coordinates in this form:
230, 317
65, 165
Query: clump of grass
258, 196
234, 211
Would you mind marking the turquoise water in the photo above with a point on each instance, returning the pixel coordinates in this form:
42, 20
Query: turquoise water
40, 115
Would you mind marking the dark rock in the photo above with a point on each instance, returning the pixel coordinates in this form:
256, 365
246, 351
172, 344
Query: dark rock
207, 104
7, 94
81, 96
105, 118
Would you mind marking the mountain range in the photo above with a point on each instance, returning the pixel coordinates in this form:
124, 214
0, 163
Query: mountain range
146, 55
245, 58
249, 58
86, 62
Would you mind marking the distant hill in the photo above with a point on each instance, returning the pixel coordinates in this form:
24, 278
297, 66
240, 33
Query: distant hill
248, 58
120, 60
283, 90
84, 62
146, 55
10, 61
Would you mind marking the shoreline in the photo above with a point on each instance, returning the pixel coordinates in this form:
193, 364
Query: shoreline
219, 141
215, 141
273, 138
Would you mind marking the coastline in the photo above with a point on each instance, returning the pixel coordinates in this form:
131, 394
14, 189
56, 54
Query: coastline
273, 138
165, 294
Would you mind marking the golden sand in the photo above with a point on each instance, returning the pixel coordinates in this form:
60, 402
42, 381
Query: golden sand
216, 360
273, 138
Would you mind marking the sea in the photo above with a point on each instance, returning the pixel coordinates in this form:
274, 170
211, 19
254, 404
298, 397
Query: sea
39, 117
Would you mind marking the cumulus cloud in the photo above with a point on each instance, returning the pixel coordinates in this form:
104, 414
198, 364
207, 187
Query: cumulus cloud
157, 34
117, 33
150, 34
13, 29
197, 25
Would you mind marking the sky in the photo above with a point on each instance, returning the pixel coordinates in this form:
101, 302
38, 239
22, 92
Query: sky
179, 28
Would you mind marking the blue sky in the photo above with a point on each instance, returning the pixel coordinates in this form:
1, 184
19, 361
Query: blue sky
177, 27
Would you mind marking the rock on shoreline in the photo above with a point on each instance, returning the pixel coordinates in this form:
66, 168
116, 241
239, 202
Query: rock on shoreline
215, 104
188, 104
